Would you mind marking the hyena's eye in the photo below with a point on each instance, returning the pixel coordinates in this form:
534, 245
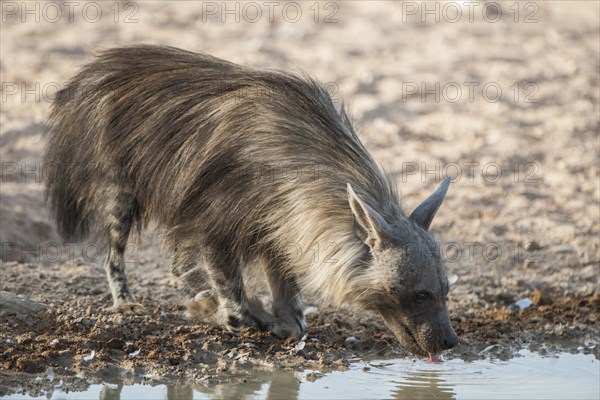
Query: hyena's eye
421, 297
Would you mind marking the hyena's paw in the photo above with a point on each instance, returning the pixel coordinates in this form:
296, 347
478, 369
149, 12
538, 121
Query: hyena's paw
204, 307
256, 315
234, 325
289, 329
128, 308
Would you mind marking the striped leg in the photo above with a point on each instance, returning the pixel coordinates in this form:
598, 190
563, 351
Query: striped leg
119, 217
224, 302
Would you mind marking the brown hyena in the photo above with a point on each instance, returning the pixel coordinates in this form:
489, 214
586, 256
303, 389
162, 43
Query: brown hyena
241, 167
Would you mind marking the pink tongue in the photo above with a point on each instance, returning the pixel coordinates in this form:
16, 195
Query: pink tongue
434, 357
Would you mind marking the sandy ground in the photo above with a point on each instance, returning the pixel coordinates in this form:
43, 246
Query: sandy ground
506, 102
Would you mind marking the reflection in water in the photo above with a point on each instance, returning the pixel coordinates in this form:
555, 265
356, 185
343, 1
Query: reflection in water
423, 385
230, 391
284, 386
564, 376
275, 385
112, 392
271, 385
183, 392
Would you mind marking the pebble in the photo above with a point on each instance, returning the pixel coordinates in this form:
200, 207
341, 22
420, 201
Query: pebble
134, 354
528, 263
351, 340
523, 303
532, 246
452, 280
313, 376
311, 310
489, 348
90, 356
232, 353
116, 344
564, 248
29, 366
520, 305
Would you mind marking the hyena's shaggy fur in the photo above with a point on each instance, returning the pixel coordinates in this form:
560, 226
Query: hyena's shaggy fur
237, 166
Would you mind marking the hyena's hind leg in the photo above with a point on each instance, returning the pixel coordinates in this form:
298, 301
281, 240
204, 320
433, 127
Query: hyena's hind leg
118, 216
287, 309
204, 306
221, 298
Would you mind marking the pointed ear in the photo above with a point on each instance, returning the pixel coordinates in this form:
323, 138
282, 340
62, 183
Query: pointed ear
424, 213
373, 229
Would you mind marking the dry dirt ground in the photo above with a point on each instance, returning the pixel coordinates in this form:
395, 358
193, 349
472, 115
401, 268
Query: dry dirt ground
505, 100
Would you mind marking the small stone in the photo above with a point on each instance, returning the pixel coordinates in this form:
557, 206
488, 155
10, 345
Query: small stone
564, 248
311, 310
452, 280
528, 264
524, 303
313, 376
116, 353
540, 298
520, 305
117, 344
232, 353
90, 356
532, 246
134, 354
129, 347
29, 366
583, 310
351, 340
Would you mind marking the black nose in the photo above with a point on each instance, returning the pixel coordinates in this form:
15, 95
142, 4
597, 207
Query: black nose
450, 342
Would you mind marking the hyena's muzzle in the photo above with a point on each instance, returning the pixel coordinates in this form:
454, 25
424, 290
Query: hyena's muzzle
426, 334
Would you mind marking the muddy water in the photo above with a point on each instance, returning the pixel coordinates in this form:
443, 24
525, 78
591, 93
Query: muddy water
527, 376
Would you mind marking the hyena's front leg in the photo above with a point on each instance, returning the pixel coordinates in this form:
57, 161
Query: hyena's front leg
288, 310
229, 289
118, 219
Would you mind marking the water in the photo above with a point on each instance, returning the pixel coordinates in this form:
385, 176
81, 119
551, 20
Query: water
528, 376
